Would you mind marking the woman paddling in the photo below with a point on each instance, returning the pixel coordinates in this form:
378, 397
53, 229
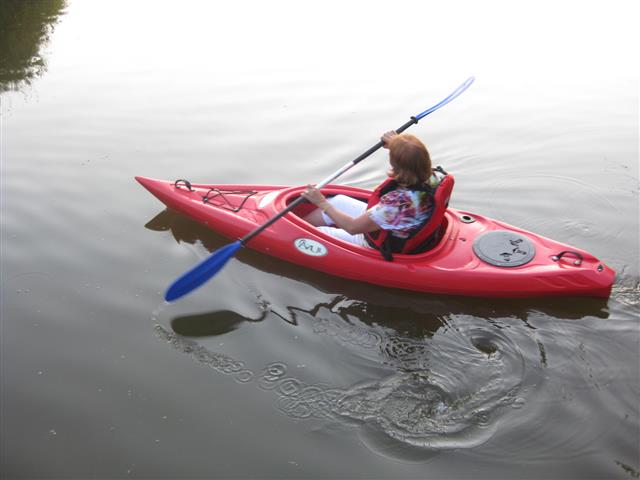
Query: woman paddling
398, 209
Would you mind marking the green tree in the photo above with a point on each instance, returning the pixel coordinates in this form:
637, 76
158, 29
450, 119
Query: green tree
25, 28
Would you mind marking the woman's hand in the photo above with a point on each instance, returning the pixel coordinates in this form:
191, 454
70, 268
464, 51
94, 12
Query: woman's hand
387, 137
314, 195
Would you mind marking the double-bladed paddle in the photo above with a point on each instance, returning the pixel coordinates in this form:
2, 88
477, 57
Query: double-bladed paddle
213, 264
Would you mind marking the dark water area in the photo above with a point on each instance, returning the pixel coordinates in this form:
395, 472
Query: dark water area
271, 370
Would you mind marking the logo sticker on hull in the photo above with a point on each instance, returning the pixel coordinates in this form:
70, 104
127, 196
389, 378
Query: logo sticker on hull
310, 247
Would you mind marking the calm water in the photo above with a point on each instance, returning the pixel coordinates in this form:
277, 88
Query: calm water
271, 370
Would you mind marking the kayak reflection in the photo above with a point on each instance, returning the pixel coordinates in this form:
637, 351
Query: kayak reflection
186, 230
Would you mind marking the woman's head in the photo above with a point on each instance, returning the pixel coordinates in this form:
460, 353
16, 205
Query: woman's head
410, 160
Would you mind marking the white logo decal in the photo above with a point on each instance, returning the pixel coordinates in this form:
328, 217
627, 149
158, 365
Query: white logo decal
310, 247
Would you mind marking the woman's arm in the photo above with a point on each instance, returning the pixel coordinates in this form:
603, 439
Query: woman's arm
352, 225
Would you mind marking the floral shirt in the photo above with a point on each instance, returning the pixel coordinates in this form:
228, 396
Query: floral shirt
402, 211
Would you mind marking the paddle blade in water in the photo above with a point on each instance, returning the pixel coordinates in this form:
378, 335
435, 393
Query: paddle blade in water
201, 272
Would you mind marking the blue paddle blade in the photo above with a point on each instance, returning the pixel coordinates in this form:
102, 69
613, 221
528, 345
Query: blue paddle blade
201, 272
455, 94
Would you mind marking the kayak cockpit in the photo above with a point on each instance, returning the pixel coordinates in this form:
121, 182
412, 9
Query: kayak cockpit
302, 210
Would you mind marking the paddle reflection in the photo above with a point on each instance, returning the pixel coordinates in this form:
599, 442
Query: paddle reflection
210, 324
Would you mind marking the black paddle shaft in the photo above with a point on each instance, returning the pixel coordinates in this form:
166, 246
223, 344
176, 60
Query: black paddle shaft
300, 200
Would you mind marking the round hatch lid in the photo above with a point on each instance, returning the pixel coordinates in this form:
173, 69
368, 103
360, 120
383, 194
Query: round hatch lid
503, 248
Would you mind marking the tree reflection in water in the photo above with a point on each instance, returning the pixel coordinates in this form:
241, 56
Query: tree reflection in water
25, 28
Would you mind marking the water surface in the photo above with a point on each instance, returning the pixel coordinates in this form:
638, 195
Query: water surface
271, 370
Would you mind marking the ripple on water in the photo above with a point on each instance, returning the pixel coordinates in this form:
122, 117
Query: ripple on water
627, 294
451, 390
219, 362
444, 392
579, 356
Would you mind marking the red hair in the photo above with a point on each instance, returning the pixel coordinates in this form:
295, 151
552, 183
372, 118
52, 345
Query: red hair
410, 160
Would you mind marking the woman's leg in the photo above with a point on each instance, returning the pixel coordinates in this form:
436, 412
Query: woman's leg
348, 205
315, 218
357, 239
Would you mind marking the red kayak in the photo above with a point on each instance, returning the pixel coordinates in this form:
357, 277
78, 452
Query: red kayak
476, 255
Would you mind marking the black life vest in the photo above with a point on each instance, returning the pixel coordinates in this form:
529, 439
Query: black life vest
423, 238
